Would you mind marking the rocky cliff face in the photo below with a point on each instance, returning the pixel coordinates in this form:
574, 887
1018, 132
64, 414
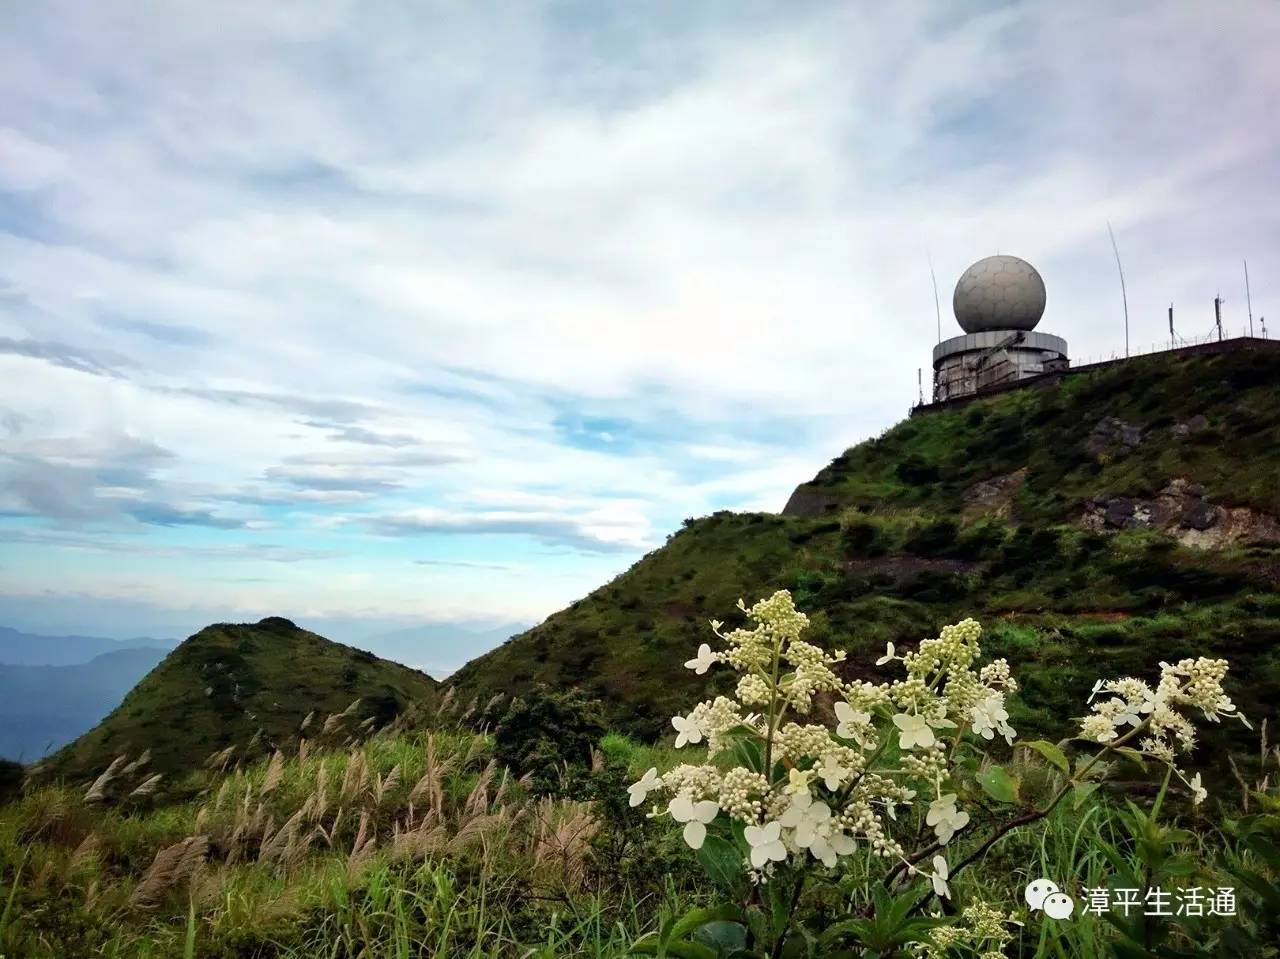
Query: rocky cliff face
1183, 510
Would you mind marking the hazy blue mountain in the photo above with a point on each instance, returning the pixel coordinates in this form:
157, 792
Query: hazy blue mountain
439, 648
28, 649
45, 707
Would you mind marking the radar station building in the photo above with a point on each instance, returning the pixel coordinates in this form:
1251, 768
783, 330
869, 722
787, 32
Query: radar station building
998, 302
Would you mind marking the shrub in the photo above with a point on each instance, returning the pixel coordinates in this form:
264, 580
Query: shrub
546, 732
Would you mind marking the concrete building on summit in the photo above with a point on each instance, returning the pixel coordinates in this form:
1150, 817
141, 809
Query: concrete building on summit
998, 302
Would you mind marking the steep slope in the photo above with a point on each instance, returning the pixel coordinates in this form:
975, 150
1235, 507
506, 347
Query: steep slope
1124, 517
45, 707
240, 685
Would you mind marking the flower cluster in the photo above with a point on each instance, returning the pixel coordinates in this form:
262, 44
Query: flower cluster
805, 791
982, 931
1133, 710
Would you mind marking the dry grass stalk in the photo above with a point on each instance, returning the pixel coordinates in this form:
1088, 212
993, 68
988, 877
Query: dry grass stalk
137, 764
275, 774
304, 749
361, 833
307, 722
446, 701
283, 837
353, 779
98, 790
563, 836
172, 866
475, 749
383, 787
83, 853
223, 791
478, 801
148, 787
220, 760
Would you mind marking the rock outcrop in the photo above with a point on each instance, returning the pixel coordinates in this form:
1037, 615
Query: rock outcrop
1183, 511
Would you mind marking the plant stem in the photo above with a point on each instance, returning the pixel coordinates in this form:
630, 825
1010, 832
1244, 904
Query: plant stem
1037, 814
773, 702
781, 941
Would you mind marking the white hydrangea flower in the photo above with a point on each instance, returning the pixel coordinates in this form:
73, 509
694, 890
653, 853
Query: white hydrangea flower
828, 843
766, 844
832, 773
914, 730
888, 656
695, 815
939, 877
703, 661
945, 818
689, 729
804, 816
1198, 792
991, 717
640, 790
798, 782
852, 722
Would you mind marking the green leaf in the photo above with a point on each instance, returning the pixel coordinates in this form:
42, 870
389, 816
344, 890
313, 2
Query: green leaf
722, 862
1080, 792
999, 785
1050, 752
726, 938
694, 918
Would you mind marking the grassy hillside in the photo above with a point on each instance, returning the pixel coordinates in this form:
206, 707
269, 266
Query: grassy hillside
248, 685
1122, 518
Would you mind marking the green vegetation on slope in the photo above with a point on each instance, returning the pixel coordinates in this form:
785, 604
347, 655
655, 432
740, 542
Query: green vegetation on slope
243, 685
906, 547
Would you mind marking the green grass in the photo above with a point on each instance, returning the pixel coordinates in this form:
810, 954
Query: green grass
489, 887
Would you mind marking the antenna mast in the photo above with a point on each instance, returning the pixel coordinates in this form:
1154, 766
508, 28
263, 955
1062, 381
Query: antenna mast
1248, 298
1172, 341
1217, 315
1123, 295
936, 308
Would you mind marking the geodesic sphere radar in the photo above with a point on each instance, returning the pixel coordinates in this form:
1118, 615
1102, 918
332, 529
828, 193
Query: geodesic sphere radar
999, 293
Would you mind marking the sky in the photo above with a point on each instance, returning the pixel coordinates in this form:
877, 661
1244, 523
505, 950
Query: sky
375, 315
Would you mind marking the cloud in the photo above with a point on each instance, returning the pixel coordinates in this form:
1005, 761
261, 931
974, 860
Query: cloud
328, 408
527, 292
60, 354
460, 564
336, 478
358, 434
598, 531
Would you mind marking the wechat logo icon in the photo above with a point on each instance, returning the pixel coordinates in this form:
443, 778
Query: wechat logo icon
1044, 894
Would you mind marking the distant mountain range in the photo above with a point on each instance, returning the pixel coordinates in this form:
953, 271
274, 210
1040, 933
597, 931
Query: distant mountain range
42, 708
28, 649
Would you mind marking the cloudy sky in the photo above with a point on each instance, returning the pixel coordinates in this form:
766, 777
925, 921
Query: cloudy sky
373, 314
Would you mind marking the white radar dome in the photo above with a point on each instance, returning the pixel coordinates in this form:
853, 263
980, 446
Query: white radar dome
999, 293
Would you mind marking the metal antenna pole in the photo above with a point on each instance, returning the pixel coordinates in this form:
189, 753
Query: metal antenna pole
1123, 295
1217, 315
936, 308
1247, 296
1171, 337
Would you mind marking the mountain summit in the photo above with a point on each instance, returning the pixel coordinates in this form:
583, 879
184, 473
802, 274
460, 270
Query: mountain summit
242, 685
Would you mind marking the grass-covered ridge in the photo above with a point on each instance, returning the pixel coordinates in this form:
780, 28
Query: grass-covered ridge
907, 543
248, 686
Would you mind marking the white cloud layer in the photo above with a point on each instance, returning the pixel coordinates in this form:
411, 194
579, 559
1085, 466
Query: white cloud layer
408, 294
